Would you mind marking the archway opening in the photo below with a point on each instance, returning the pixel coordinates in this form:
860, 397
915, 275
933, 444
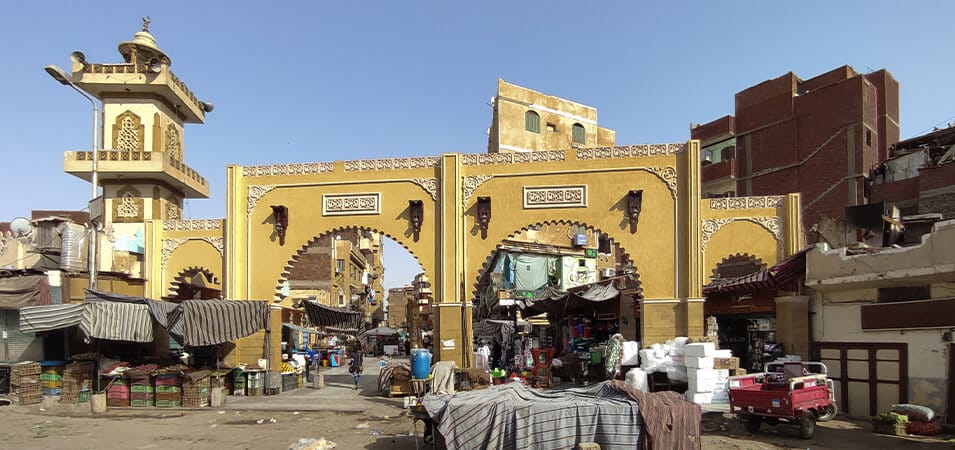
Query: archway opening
744, 309
362, 273
561, 286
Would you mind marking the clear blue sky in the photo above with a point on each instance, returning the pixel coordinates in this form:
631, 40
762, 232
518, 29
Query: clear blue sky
299, 81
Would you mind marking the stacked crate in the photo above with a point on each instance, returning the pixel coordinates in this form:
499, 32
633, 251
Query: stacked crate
195, 394
238, 382
25, 383
118, 392
255, 383
142, 394
51, 380
77, 383
708, 382
168, 390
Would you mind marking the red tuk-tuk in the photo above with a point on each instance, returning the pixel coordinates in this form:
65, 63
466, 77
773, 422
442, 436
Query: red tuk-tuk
787, 391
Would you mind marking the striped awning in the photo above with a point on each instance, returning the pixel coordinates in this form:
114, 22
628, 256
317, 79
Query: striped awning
117, 321
212, 322
35, 319
326, 316
785, 275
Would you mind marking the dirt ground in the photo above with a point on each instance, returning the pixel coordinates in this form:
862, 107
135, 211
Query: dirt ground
73, 427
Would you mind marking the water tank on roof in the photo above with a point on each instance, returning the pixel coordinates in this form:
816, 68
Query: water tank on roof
74, 249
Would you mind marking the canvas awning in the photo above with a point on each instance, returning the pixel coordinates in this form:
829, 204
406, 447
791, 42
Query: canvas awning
300, 328
326, 316
24, 290
380, 331
785, 275
590, 297
36, 319
116, 321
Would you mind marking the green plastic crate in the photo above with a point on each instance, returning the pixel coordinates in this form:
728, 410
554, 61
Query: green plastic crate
141, 403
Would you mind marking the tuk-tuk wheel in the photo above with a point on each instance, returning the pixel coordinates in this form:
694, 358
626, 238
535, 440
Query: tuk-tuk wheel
807, 425
753, 423
829, 412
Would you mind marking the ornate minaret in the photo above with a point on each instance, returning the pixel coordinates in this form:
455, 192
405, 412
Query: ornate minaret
141, 162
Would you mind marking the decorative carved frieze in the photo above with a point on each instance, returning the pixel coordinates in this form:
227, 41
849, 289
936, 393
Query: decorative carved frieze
351, 204
217, 242
667, 174
288, 169
771, 224
419, 162
768, 201
430, 185
481, 159
469, 184
256, 192
191, 225
630, 151
169, 246
555, 197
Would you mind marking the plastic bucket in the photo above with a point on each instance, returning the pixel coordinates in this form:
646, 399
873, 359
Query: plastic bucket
420, 363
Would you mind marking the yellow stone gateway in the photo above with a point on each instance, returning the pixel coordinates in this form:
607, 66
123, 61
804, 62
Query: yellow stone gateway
449, 211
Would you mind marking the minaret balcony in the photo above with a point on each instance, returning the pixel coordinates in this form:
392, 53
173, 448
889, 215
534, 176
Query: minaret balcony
137, 167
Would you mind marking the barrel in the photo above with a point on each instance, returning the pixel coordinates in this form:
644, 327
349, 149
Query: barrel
420, 363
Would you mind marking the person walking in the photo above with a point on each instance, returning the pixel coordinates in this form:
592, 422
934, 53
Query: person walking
355, 367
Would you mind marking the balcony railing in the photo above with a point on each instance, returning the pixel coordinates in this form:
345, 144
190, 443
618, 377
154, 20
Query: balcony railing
126, 155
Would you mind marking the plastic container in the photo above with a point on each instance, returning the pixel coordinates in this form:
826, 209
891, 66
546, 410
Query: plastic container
334, 359
420, 363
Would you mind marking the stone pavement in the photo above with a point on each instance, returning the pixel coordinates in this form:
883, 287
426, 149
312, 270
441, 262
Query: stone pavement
338, 395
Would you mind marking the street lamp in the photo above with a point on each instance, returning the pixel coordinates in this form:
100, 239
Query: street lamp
59, 75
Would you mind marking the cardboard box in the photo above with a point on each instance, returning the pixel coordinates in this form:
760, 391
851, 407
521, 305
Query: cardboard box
726, 363
700, 349
737, 372
700, 385
699, 362
699, 398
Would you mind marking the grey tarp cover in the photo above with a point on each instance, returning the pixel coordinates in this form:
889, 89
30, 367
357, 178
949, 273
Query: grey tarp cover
116, 321
211, 322
35, 319
513, 416
327, 316
589, 297
193, 322
380, 331
25, 290
197, 323
99, 320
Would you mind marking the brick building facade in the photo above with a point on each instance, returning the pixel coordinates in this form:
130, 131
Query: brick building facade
820, 137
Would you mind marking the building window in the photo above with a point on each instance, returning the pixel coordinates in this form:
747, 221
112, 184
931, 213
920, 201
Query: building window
579, 135
905, 293
868, 137
339, 265
603, 244
532, 122
552, 127
341, 299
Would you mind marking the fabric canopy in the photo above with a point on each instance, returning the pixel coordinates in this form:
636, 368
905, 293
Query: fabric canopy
327, 316
193, 323
784, 275
116, 321
299, 328
25, 290
380, 331
36, 319
588, 297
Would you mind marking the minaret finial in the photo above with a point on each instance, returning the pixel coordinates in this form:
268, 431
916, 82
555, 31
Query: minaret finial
146, 22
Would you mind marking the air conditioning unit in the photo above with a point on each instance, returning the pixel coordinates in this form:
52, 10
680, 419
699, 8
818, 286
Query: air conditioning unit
580, 240
608, 273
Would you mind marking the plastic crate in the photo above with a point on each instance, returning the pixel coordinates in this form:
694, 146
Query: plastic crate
117, 402
141, 403
168, 389
168, 403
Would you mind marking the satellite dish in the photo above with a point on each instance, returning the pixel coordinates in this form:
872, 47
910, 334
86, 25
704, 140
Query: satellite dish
21, 227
